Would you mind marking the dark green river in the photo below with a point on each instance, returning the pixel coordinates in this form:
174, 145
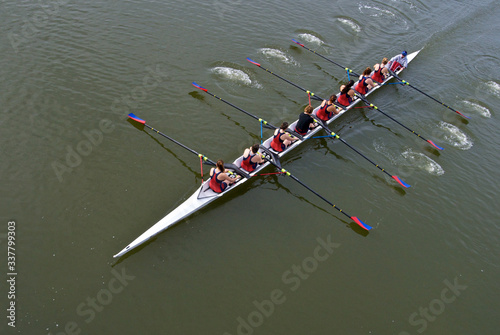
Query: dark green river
80, 181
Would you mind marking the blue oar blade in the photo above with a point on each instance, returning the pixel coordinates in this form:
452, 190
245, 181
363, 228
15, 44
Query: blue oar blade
434, 145
297, 42
402, 183
361, 223
253, 62
465, 116
198, 86
136, 118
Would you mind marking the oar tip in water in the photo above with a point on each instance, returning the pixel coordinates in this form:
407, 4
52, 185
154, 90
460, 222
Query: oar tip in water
136, 118
435, 145
465, 116
253, 62
400, 182
361, 223
198, 86
298, 42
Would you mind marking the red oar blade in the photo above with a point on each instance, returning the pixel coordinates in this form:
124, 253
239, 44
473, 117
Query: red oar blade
360, 223
434, 145
465, 116
136, 118
302, 45
400, 182
253, 62
198, 86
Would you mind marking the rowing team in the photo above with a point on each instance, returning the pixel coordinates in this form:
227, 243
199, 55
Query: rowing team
219, 175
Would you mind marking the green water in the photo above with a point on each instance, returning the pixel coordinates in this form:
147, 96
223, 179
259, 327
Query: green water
81, 182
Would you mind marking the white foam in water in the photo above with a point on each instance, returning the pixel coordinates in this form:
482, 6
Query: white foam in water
234, 75
310, 38
477, 107
351, 24
273, 53
493, 87
378, 11
455, 136
423, 162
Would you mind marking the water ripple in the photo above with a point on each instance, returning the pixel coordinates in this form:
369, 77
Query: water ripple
417, 159
278, 54
483, 111
235, 75
454, 136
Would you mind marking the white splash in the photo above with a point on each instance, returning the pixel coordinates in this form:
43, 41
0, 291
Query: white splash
351, 24
477, 107
234, 75
378, 11
311, 39
493, 87
274, 53
423, 162
454, 136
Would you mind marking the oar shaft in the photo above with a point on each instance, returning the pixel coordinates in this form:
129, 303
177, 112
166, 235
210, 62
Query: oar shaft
355, 219
313, 95
327, 59
427, 95
234, 106
205, 158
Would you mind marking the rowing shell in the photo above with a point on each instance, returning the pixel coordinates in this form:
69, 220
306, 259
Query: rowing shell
204, 194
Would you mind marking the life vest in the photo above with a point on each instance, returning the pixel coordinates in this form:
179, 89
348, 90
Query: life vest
395, 66
362, 86
215, 184
277, 143
378, 75
323, 113
247, 163
344, 99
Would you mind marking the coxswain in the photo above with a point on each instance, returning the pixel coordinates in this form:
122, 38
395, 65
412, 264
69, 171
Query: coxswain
281, 139
327, 109
305, 121
251, 159
219, 180
398, 62
380, 72
365, 83
346, 94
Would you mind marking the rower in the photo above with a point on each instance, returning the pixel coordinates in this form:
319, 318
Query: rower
251, 159
346, 94
281, 139
365, 83
219, 180
327, 109
305, 121
380, 71
398, 62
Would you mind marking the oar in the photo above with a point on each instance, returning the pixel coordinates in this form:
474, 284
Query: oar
393, 119
427, 95
396, 178
264, 122
355, 219
205, 158
328, 59
315, 97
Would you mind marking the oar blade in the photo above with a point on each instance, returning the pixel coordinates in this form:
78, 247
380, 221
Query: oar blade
302, 45
465, 116
253, 62
361, 223
198, 86
136, 118
435, 145
400, 182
